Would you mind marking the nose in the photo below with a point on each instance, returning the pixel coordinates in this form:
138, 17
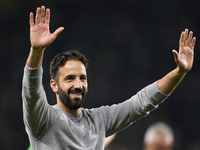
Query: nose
78, 84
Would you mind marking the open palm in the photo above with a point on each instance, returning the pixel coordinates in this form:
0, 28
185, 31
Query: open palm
40, 35
184, 59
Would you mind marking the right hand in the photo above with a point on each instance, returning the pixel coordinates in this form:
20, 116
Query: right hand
40, 35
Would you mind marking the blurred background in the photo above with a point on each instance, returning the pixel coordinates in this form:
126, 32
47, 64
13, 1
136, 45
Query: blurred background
129, 46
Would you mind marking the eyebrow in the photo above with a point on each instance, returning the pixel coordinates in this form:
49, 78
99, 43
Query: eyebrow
72, 76
85, 76
69, 76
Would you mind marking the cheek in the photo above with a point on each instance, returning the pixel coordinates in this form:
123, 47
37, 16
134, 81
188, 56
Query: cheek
85, 86
66, 86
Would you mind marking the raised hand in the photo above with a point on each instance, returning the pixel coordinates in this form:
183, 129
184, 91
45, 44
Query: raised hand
184, 59
40, 35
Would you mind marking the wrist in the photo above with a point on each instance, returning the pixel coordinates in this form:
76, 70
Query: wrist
35, 57
37, 50
181, 72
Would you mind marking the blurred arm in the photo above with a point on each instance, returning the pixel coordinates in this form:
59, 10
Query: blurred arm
108, 140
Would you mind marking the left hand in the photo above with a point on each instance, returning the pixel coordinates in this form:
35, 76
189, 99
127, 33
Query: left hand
184, 59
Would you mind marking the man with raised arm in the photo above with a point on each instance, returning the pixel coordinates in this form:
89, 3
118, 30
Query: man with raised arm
67, 125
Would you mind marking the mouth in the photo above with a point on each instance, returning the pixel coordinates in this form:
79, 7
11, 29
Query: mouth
76, 96
76, 93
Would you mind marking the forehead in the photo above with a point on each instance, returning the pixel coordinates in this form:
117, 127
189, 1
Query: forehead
72, 67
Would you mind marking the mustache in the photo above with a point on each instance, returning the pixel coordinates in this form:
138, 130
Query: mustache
76, 90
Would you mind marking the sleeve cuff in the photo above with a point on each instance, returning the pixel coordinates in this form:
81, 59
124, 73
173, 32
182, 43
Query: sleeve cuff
157, 96
33, 72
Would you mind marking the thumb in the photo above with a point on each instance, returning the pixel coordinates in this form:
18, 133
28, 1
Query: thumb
175, 54
57, 32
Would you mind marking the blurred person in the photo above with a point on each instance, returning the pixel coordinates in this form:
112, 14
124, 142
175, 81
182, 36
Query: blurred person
67, 125
159, 136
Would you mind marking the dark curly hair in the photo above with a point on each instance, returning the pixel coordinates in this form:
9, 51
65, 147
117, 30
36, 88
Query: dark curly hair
60, 60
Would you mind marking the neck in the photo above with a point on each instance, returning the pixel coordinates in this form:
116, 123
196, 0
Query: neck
68, 110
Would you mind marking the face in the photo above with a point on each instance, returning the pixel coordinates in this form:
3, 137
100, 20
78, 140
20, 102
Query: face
158, 144
72, 86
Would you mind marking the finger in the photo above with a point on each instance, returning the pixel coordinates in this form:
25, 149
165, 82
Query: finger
47, 18
37, 16
31, 20
185, 37
189, 38
57, 32
181, 41
193, 43
42, 14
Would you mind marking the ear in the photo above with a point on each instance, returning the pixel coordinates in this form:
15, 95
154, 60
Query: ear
54, 85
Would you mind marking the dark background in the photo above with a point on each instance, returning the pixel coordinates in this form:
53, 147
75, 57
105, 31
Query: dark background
129, 45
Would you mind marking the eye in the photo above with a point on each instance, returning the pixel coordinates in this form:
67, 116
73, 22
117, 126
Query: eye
83, 78
69, 78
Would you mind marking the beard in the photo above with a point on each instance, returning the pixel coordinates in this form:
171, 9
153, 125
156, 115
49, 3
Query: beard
67, 101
